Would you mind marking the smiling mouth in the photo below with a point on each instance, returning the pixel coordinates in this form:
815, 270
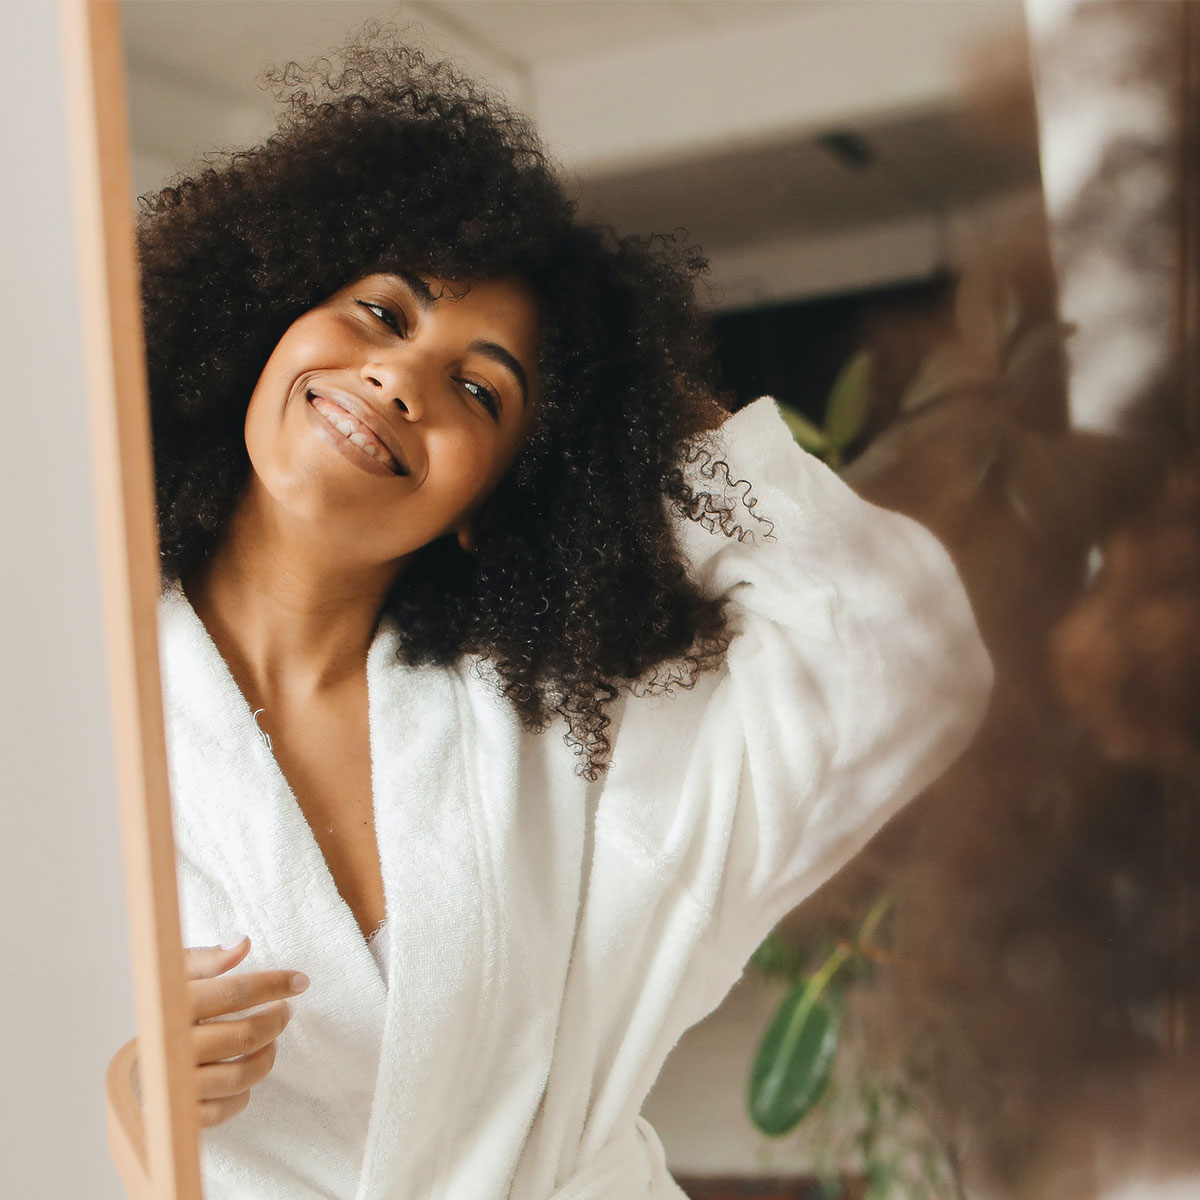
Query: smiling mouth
355, 431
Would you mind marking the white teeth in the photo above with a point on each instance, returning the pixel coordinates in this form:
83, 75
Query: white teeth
360, 439
349, 431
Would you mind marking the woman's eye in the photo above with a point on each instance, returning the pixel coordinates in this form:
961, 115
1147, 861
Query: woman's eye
484, 395
386, 315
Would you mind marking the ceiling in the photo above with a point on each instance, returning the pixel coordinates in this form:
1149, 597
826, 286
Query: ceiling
701, 114
527, 32
218, 45
921, 163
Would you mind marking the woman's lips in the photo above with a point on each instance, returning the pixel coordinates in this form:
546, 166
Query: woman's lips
330, 421
349, 426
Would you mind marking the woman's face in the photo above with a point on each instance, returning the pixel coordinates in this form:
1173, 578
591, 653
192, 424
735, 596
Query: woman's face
387, 414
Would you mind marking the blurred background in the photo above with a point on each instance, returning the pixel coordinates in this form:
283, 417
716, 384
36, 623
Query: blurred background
980, 308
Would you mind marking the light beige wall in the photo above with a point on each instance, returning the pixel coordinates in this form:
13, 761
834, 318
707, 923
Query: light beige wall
65, 999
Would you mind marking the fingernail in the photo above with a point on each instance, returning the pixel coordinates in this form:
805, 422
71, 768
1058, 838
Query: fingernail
299, 981
237, 941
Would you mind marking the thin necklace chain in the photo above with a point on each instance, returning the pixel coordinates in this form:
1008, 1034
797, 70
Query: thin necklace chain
262, 733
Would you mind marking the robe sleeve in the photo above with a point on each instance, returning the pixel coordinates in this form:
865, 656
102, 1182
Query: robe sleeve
855, 676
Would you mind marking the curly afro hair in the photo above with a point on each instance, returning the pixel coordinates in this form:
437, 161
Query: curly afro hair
385, 161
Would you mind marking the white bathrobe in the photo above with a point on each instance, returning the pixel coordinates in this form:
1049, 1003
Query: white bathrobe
552, 938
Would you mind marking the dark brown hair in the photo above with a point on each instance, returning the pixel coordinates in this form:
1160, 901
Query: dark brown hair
386, 161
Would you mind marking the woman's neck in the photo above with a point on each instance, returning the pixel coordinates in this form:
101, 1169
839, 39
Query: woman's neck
292, 619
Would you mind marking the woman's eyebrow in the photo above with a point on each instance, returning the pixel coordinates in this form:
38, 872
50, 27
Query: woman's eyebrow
420, 289
505, 358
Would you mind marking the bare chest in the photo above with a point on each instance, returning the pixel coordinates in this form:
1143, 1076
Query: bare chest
323, 750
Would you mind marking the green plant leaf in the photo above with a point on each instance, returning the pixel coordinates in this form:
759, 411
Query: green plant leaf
803, 430
794, 1061
776, 956
849, 402
879, 910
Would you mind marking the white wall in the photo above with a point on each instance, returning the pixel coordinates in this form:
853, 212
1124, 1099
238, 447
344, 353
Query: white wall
698, 1104
65, 1003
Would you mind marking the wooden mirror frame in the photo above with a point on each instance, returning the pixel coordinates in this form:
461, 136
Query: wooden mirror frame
152, 1124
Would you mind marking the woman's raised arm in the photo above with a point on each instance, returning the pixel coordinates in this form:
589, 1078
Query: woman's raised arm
855, 676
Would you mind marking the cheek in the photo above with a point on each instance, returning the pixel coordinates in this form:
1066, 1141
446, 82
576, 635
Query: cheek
269, 394
312, 342
255, 431
264, 416
316, 340
466, 463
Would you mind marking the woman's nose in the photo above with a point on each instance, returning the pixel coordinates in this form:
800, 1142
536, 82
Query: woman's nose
397, 386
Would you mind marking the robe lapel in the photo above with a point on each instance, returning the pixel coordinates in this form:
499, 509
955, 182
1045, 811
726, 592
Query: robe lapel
431, 851
261, 850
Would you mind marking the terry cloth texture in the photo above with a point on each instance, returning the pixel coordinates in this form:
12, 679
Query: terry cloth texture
550, 938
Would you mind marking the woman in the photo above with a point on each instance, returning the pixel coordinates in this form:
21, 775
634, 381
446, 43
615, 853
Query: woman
480, 656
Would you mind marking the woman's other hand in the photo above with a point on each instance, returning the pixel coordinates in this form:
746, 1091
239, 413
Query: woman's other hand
233, 1053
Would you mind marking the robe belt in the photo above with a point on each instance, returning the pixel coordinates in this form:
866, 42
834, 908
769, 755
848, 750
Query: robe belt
630, 1167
